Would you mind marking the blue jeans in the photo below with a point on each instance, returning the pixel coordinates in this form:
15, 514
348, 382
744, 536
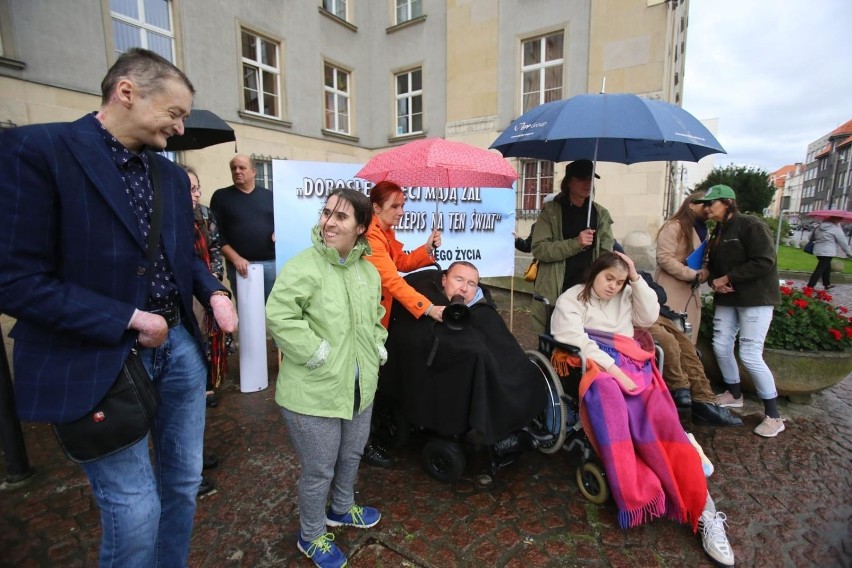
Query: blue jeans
752, 324
147, 510
268, 277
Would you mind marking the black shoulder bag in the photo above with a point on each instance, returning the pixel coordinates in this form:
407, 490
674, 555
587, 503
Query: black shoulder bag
124, 415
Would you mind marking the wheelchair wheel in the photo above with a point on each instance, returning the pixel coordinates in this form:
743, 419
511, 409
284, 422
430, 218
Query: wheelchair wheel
592, 483
389, 424
552, 418
444, 460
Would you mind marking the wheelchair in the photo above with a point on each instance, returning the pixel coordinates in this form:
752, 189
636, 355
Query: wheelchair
444, 454
590, 475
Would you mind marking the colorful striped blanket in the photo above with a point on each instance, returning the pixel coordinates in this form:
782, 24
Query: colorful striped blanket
652, 469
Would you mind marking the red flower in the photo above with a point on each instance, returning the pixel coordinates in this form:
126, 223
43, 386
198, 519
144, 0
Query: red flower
843, 309
791, 312
837, 335
808, 291
800, 303
789, 282
848, 331
786, 291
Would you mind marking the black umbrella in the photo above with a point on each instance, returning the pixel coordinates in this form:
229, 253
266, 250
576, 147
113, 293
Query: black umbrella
203, 128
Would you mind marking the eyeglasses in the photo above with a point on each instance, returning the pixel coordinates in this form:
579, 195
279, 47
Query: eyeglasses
195, 189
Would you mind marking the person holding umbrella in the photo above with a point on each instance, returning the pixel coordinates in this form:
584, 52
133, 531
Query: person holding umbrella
828, 238
388, 201
570, 233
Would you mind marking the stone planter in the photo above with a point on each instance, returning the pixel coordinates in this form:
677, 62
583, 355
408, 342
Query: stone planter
797, 374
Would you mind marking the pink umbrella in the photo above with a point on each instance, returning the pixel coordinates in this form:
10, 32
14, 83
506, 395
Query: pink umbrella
436, 162
845, 216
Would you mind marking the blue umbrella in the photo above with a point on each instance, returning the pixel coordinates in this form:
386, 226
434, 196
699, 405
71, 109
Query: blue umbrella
621, 128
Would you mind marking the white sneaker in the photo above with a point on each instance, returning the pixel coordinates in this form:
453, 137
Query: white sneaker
706, 464
770, 427
713, 538
727, 400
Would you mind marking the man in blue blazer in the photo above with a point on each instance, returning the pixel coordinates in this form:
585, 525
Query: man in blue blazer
74, 271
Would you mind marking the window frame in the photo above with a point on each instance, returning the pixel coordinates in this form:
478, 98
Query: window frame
333, 7
529, 202
409, 95
541, 68
408, 4
145, 28
336, 92
263, 176
260, 69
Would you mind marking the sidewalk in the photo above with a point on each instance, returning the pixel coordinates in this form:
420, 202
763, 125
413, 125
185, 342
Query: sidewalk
788, 500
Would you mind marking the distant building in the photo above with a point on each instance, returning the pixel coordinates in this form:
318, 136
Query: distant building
828, 181
778, 178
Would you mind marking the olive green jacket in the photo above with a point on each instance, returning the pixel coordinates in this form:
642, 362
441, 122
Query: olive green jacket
551, 250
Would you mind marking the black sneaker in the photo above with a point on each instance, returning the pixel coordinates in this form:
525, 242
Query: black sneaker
206, 486
376, 456
210, 461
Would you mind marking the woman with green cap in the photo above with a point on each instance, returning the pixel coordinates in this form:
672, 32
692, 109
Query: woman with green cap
744, 279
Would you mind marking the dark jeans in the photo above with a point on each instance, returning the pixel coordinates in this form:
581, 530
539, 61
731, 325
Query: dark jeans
823, 269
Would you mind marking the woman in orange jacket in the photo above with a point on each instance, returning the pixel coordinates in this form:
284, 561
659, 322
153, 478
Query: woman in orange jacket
389, 259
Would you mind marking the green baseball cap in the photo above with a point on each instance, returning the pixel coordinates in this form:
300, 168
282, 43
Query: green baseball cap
717, 192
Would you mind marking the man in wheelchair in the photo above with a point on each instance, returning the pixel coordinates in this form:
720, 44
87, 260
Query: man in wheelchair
467, 374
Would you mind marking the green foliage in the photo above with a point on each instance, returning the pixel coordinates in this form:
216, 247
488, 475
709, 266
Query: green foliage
752, 186
772, 223
805, 321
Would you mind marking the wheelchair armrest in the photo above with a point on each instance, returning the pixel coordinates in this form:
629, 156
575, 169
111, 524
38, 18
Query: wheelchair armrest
546, 344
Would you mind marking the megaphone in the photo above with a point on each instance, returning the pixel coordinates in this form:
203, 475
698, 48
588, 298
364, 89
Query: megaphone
456, 314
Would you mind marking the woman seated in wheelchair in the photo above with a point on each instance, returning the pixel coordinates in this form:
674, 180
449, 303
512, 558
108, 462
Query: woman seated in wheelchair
626, 410
466, 374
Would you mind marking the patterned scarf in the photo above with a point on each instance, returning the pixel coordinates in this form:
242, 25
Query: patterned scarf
652, 469
217, 348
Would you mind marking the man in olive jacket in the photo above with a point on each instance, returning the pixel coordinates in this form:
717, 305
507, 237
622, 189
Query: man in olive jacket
563, 241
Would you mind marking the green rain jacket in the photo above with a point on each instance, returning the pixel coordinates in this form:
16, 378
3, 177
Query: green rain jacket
551, 250
325, 315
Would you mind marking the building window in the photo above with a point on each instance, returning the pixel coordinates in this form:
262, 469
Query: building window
408, 10
260, 75
336, 89
409, 102
536, 184
143, 23
263, 177
336, 7
541, 70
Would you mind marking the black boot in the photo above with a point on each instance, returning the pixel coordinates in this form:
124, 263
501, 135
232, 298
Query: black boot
512, 443
682, 398
714, 415
375, 455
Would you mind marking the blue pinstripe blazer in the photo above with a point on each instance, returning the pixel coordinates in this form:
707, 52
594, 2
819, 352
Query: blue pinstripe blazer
73, 266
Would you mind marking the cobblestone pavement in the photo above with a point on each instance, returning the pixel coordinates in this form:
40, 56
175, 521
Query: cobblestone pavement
788, 499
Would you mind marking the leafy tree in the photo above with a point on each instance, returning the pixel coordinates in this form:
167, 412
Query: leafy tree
752, 186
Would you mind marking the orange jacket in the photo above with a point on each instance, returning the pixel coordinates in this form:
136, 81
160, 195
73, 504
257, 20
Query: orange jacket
389, 260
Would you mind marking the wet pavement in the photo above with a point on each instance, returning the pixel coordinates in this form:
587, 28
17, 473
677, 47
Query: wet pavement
788, 499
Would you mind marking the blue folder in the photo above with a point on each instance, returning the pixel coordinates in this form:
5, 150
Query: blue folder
696, 259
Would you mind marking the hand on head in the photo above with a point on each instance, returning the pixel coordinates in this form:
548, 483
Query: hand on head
632, 273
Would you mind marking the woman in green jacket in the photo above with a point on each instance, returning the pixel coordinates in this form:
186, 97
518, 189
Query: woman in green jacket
563, 242
325, 315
